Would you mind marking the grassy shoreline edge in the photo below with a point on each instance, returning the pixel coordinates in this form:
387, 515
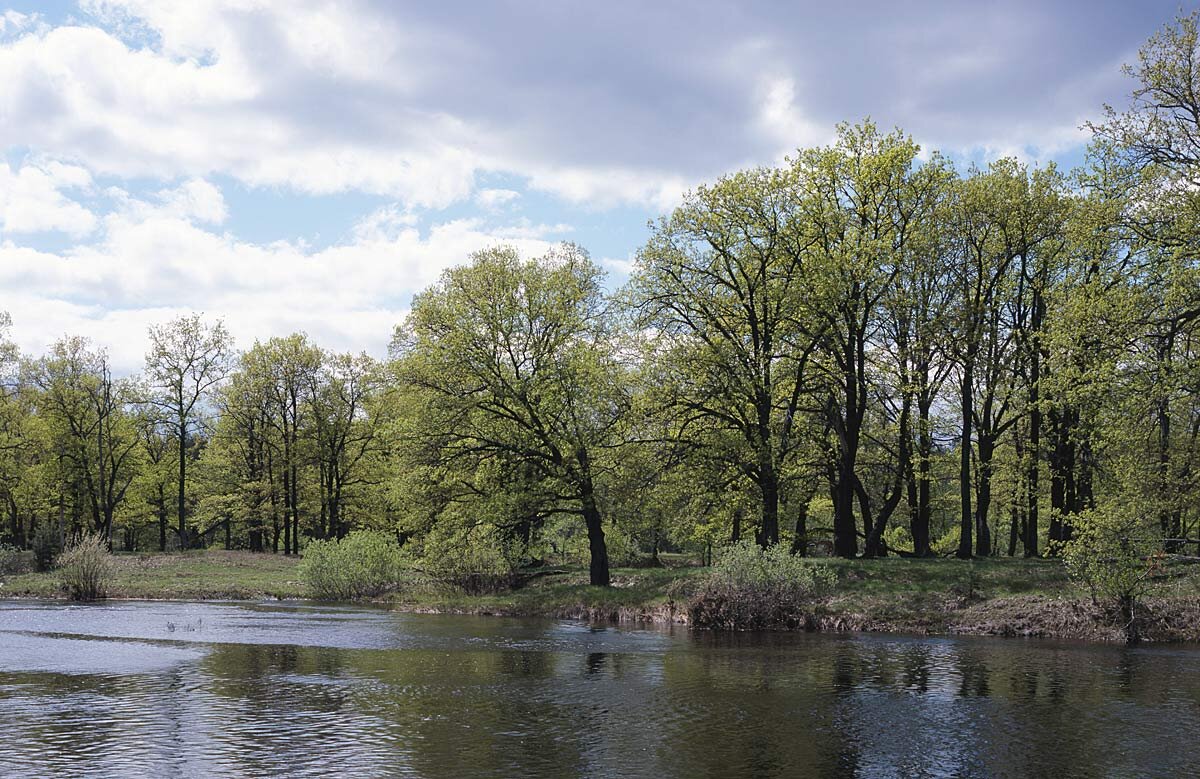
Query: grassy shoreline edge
1026, 598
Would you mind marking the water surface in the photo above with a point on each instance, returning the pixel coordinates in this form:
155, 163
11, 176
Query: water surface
240, 690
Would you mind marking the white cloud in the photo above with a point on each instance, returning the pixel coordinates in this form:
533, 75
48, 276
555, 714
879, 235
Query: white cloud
32, 199
385, 223
155, 263
122, 120
782, 120
603, 188
15, 21
410, 101
619, 266
496, 199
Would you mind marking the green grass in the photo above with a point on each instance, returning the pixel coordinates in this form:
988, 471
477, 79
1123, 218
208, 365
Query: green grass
995, 577
200, 575
218, 574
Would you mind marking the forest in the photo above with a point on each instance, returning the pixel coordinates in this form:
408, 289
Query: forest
866, 350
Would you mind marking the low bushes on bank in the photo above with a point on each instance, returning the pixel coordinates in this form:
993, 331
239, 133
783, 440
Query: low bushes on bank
474, 559
86, 568
364, 564
750, 588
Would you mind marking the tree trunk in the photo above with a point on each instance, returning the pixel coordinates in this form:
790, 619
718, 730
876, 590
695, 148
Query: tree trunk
845, 542
964, 469
800, 539
598, 568
1032, 487
769, 532
162, 518
983, 501
287, 516
183, 539
920, 527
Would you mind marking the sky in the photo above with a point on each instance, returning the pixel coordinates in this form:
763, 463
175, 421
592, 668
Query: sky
293, 165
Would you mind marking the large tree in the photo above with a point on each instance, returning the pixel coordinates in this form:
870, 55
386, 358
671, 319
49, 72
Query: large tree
88, 413
866, 198
514, 362
346, 419
188, 358
723, 288
283, 371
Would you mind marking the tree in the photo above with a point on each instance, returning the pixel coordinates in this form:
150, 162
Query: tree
723, 285
346, 427
188, 358
864, 197
283, 371
515, 362
89, 415
1155, 144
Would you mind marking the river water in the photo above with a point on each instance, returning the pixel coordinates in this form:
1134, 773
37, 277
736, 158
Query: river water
242, 690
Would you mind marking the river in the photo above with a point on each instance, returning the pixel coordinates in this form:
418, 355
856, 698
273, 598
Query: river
245, 690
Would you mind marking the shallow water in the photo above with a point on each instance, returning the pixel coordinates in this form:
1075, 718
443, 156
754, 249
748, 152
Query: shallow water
202, 690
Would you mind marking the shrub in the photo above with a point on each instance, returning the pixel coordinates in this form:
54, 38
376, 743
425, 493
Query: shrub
364, 564
12, 560
898, 538
947, 543
623, 549
86, 567
1114, 555
750, 588
46, 546
476, 560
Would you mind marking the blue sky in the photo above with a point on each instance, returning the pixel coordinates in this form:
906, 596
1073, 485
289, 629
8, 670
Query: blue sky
310, 165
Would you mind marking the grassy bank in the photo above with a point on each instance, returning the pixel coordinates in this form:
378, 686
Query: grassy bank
202, 575
980, 597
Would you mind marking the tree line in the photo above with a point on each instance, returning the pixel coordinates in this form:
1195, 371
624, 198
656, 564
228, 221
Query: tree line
863, 350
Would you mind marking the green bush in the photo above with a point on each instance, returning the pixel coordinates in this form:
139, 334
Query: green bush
1117, 558
947, 543
86, 567
364, 564
476, 560
750, 588
898, 538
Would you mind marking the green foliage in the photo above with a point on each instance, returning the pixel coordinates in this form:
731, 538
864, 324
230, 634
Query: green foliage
86, 567
750, 588
475, 559
516, 372
364, 564
947, 543
1114, 555
899, 539
624, 551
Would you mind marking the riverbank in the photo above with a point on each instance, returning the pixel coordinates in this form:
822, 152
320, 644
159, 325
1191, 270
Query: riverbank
1001, 597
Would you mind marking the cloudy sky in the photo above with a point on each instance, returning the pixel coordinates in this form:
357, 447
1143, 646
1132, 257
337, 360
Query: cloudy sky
292, 165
